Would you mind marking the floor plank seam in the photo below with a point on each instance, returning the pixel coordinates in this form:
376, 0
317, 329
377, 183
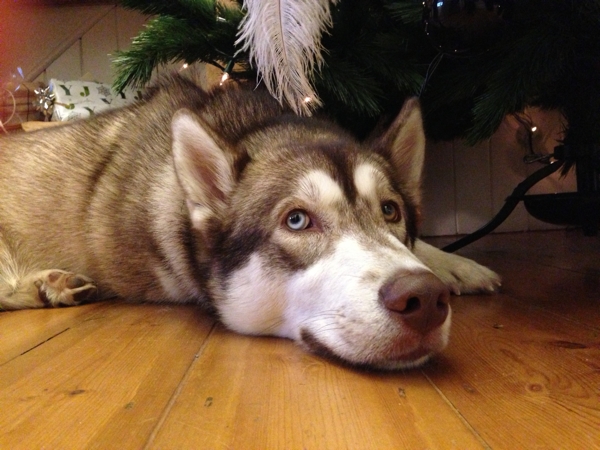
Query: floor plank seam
177, 391
462, 418
36, 346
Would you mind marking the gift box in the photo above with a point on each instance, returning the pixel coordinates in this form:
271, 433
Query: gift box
81, 99
17, 104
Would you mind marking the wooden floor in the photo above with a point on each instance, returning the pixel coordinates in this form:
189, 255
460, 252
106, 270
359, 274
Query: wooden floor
522, 372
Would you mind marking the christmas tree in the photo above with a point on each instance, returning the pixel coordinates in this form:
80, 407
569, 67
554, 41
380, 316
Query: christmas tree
483, 59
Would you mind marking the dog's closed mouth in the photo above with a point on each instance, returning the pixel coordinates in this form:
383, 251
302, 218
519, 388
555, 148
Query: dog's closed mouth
414, 358
316, 346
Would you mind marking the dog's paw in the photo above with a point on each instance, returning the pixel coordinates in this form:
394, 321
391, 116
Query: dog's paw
465, 276
61, 288
461, 275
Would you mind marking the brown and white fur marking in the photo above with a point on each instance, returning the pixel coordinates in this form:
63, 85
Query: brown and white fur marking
286, 226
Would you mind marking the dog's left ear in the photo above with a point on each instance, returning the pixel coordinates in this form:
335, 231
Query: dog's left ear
403, 144
204, 167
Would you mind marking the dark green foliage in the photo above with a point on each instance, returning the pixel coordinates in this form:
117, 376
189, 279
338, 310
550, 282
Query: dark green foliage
548, 54
370, 68
184, 30
537, 61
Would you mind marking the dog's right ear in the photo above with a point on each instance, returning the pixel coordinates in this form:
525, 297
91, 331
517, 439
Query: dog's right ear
403, 144
203, 165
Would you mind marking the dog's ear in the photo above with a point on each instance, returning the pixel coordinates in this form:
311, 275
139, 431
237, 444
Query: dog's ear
403, 144
203, 165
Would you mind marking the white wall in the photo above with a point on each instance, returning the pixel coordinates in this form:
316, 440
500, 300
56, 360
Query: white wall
91, 53
63, 41
463, 188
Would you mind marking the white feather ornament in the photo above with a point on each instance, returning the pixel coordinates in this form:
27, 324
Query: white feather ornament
283, 40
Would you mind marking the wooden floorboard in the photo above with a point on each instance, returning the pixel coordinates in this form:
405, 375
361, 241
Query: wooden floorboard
530, 355
521, 376
21, 331
102, 382
522, 371
267, 393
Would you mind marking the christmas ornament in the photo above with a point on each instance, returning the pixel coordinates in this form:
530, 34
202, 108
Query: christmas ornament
458, 26
44, 101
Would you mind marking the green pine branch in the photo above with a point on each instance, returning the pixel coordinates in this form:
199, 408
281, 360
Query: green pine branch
201, 13
355, 89
184, 30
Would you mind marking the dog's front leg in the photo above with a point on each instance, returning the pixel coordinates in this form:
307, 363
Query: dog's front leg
45, 288
22, 286
461, 275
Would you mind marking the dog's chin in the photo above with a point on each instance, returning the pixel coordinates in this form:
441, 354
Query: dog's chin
410, 361
394, 360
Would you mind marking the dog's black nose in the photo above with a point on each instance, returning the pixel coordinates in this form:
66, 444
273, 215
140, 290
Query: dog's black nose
417, 299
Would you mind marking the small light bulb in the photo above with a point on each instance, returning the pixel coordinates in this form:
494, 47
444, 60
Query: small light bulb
224, 78
533, 129
185, 66
307, 99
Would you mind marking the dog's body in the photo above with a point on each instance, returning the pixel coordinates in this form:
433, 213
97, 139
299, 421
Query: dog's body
286, 226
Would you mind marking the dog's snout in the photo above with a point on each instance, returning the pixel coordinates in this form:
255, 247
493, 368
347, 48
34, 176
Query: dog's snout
417, 299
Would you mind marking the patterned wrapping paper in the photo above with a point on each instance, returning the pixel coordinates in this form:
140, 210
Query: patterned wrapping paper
81, 99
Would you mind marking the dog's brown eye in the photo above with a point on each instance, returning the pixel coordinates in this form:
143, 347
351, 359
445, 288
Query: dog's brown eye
298, 220
391, 211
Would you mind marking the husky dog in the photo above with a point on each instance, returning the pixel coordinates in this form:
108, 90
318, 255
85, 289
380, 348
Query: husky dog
286, 226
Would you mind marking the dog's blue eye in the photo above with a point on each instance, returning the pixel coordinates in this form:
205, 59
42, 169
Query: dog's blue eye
391, 211
298, 220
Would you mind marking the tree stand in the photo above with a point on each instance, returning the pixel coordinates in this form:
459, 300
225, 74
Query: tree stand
581, 208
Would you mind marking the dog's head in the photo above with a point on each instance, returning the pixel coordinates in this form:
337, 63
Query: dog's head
310, 235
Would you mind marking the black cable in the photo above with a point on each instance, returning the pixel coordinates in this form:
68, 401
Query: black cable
510, 204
